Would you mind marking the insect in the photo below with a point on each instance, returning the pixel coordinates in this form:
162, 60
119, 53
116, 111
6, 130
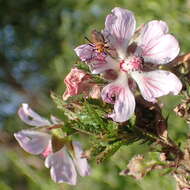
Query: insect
98, 42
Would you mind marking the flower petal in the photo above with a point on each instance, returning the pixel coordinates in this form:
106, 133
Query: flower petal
162, 50
48, 150
120, 25
157, 83
98, 66
155, 45
80, 163
33, 142
61, 167
77, 82
152, 30
119, 94
85, 52
110, 75
55, 120
98, 62
30, 117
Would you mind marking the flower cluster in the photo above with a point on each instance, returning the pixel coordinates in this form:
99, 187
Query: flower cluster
116, 50
63, 158
123, 57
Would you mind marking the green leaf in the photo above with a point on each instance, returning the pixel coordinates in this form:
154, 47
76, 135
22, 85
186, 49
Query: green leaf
109, 151
83, 66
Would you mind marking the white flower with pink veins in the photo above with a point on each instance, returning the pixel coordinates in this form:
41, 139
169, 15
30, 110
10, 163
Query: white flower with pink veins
154, 45
62, 163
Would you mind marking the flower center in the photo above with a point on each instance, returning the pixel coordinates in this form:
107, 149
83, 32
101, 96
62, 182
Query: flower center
131, 63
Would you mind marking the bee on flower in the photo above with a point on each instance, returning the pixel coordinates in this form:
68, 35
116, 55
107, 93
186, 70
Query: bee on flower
98, 41
153, 44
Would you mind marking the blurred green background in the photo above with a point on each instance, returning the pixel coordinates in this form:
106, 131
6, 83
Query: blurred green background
37, 38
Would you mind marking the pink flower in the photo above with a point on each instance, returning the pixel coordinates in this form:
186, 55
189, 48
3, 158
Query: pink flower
154, 44
78, 82
61, 164
63, 167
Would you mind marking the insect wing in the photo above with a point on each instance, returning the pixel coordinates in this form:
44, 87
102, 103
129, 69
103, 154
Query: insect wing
97, 36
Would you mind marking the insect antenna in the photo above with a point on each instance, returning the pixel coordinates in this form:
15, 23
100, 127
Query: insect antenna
88, 39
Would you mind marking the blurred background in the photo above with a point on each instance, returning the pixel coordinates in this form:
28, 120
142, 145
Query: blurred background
37, 38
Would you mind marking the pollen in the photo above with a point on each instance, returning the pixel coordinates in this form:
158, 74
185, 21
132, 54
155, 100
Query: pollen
131, 63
